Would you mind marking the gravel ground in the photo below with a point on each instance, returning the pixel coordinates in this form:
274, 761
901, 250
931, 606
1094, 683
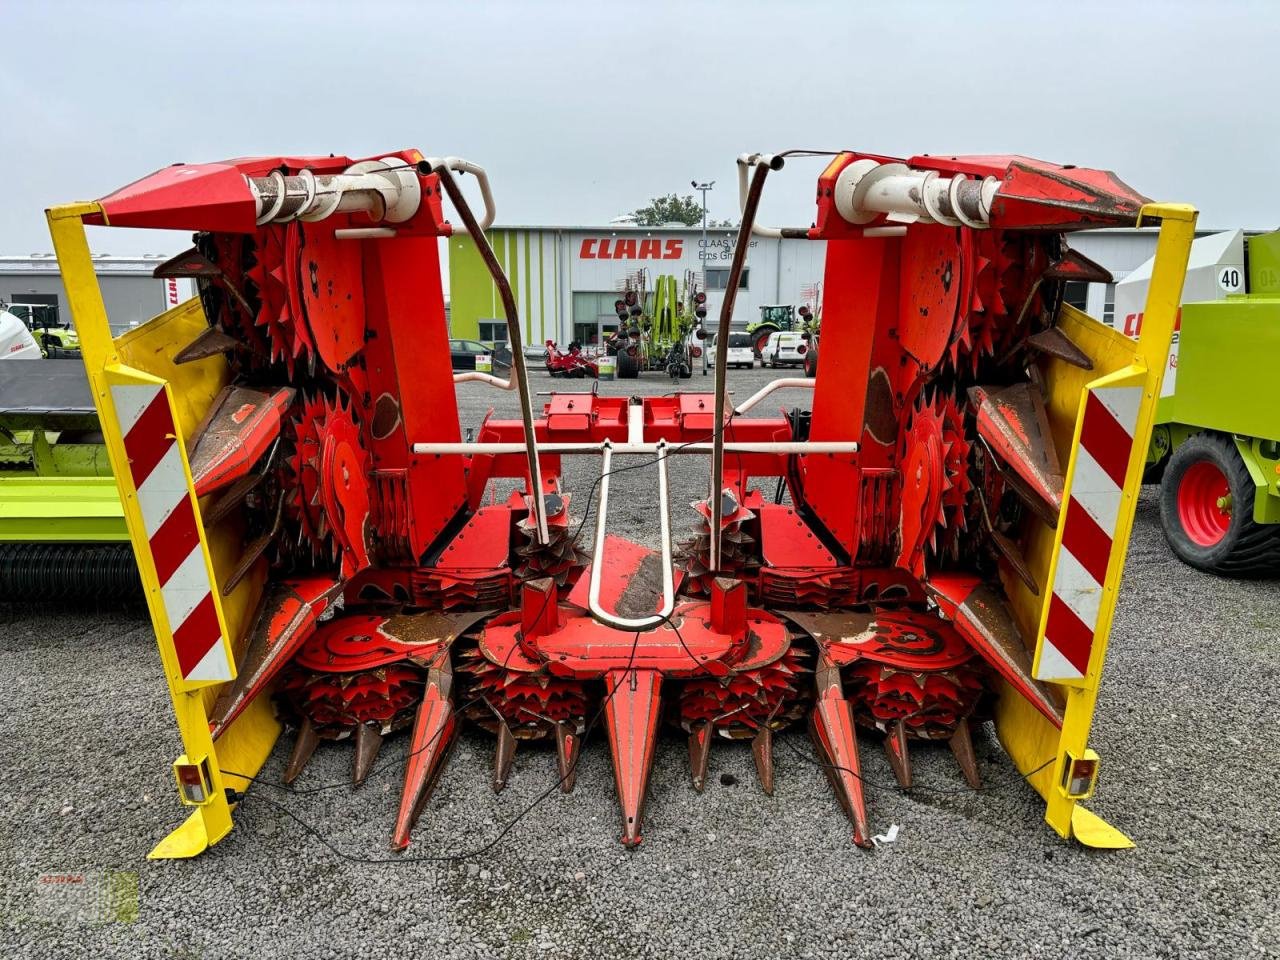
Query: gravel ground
1185, 726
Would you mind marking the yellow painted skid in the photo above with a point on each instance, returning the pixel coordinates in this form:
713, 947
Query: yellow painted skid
144, 356
1038, 748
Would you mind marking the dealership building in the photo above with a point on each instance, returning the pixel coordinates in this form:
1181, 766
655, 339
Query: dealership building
566, 279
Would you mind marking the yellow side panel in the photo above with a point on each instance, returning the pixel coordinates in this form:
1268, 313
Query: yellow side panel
1110, 351
1038, 748
1028, 737
150, 347
145, 354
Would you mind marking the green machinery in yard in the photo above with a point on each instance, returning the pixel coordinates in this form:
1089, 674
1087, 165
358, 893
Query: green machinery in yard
778, 317
1216, 446
55, 338
657, 328
62, 531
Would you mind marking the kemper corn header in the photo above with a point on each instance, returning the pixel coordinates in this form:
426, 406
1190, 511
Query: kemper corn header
317, 548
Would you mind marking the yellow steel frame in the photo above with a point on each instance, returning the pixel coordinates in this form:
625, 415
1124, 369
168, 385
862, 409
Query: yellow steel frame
190, 390
1030, 739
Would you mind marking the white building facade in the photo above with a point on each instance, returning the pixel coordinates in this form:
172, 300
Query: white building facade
566, 278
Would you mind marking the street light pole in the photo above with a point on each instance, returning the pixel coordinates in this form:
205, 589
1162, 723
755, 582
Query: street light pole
702, 251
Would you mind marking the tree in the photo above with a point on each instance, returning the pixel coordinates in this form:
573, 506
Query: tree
670, 209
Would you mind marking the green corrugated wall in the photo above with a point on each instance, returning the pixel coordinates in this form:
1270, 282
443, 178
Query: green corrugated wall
524, 255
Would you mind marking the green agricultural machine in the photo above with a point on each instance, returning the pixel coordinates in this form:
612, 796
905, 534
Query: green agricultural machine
62, 531
55, 338
778, 317
657, 328
1216, 447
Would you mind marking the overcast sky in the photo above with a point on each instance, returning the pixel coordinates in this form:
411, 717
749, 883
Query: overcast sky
582, 111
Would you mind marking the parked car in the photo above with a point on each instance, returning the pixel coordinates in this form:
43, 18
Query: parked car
464, 353
741, 351
535, 352
784, 348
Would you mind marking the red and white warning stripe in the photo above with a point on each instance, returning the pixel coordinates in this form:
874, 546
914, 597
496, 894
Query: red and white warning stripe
1088, 534
169, 515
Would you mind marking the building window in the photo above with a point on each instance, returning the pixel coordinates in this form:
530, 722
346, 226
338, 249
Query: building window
718, 278
1109, 306
493, 330
1076, 293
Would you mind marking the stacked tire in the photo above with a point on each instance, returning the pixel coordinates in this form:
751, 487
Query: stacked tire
628, 364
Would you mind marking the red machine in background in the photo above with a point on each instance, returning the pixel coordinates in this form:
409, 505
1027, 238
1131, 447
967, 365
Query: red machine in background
877, 596
571, 362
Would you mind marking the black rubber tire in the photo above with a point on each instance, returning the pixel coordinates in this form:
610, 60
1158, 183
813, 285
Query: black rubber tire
628, 366
811, 364
1248, 549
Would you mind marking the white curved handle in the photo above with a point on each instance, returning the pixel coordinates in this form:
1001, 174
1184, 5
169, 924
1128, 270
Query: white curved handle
597, 560
477, 171
745, 162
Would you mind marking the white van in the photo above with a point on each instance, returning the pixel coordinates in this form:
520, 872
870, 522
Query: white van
784, 348
741, 351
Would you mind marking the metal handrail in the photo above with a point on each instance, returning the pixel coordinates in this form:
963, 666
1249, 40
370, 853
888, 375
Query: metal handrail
482, 178
597, 560
644, 448
782, 383
474, 376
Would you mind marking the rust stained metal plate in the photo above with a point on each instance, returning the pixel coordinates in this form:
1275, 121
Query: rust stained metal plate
241, 430
1015, 426
287, 616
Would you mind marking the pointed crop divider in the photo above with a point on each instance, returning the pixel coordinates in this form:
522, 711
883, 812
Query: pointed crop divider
192, 264
1013, 423
762, 752
961, 744
240, 429
504, 756
895, 748
303, 747
568, 742
368, 741
1055, 343
832, 728
1076, 266
287, 615
699, 753
209, 343
433, 734
986, 623
631, 717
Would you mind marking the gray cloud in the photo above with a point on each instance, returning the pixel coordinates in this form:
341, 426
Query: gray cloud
582, 111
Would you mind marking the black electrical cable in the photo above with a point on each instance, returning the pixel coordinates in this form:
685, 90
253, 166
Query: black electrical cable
506, 829
520, 816
590, 726
888, 787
